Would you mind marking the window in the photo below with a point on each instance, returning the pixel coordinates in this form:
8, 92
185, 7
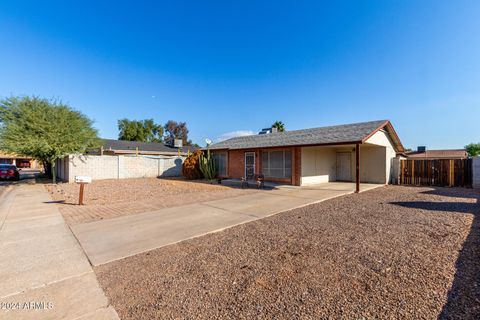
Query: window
220, 164
277, 164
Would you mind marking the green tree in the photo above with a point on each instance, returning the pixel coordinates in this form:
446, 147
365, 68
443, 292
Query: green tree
140, 130
43, 129
177, 130
473, 149
279, 125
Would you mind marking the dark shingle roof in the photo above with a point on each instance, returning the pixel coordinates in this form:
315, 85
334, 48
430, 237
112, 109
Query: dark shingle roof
355, 132
151, 147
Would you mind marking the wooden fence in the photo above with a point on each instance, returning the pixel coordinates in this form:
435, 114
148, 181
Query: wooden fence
445, 172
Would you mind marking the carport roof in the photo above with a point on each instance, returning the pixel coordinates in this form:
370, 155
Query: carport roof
331, 135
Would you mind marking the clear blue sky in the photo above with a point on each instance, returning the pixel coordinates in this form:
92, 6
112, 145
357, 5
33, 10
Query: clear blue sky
234, 66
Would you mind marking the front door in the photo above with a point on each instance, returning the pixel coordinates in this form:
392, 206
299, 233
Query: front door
344, 166
249, 165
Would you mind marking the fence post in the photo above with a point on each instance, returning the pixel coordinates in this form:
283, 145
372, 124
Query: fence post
413, 173
402, 171
451, 173
476, 172
121, 173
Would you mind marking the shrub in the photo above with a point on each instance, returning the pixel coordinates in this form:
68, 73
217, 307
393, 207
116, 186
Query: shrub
191, 166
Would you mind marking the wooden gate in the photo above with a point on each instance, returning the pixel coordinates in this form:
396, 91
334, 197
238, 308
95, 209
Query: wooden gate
445, 172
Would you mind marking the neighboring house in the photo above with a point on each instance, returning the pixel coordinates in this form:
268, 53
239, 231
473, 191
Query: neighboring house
117, 159
122, 147
423, 154
311, 156
19, 160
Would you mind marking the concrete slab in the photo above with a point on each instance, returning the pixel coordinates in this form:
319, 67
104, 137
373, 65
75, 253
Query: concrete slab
113, 239
24, 272
66, 299
41, 261
32, 234
31, 212
259, 205
314, 195
108, 240
25, 224
101, 314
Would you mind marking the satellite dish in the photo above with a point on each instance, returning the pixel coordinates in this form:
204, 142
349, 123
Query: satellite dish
208, 141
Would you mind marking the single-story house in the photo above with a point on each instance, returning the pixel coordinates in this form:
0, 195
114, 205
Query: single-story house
359, 152
122, 147
423, 154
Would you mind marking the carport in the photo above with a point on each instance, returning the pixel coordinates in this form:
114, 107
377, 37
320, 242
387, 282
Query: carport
366, 163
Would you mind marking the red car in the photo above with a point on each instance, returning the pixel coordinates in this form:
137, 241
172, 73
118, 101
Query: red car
9, 171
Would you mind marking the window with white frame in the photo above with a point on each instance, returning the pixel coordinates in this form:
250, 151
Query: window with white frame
277, 164
220, 164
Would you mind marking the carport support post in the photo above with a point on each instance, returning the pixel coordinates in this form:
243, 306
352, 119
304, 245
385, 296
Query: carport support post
357, 168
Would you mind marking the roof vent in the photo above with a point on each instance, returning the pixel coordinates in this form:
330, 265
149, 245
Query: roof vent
421, 149
177, 143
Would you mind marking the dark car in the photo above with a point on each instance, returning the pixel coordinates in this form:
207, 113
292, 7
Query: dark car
9, 171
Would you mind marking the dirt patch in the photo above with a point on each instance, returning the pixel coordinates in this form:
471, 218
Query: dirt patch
112, 198
394, 252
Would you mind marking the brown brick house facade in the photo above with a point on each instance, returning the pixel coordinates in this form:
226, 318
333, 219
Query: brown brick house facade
236, 163
360, 152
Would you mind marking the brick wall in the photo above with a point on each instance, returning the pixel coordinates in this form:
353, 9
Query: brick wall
134, 167
236, 164
117, 167
171, 167
476, 172
297, 166
97, 167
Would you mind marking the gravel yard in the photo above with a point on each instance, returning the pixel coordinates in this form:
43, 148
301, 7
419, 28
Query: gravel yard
112, 198
393, 252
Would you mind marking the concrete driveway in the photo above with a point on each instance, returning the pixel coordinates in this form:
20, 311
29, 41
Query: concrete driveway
117, 238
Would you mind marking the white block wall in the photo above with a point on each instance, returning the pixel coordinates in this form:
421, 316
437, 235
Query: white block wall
395, 176
139, 167
476, 172
117, 167
97, 167
171, 167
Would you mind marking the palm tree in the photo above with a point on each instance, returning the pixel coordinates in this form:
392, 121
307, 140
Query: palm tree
279, 125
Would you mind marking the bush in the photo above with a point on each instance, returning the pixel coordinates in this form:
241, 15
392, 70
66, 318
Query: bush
191, 166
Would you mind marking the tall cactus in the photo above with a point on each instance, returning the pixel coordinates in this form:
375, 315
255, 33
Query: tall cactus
207, 166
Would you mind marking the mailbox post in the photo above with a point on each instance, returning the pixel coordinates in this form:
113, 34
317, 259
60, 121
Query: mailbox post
82, 180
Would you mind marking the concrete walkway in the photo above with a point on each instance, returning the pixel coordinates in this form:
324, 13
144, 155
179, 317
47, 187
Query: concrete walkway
43, 270
108, 240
